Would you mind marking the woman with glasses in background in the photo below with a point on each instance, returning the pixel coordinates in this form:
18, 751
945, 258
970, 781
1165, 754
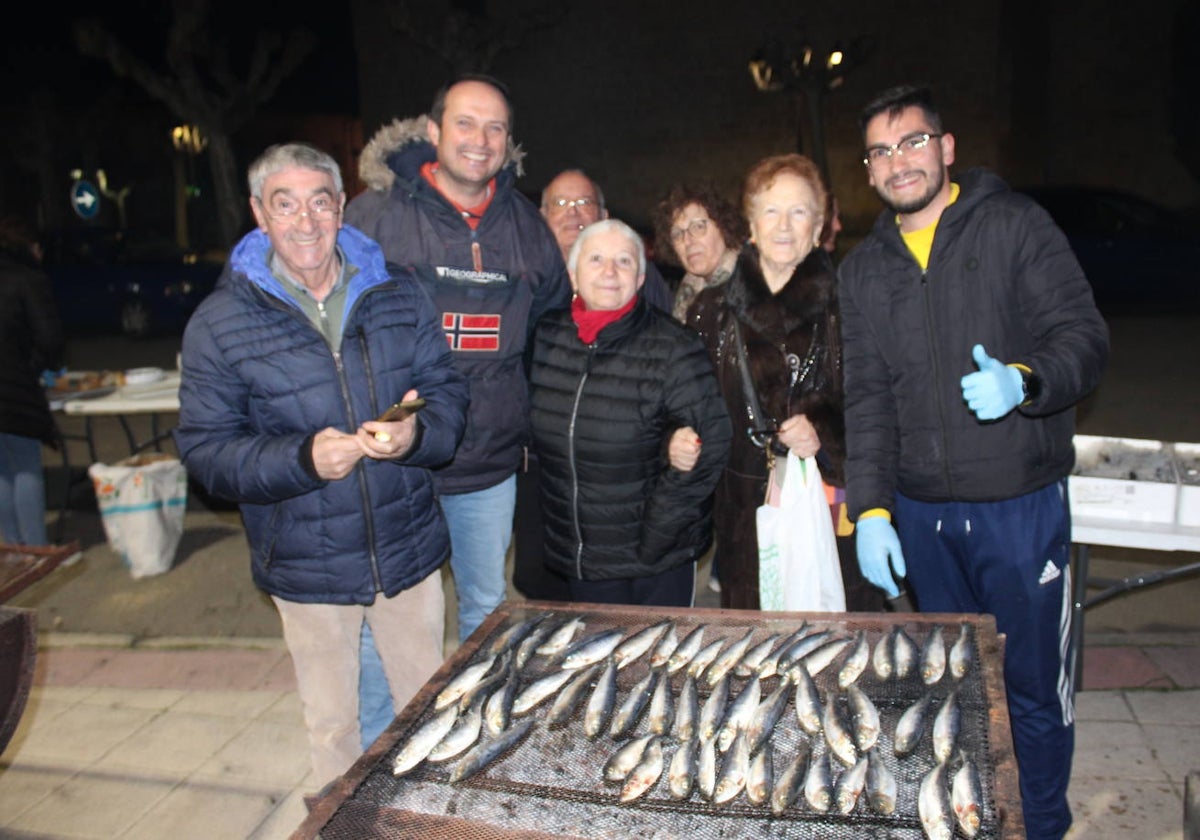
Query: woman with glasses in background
773, 334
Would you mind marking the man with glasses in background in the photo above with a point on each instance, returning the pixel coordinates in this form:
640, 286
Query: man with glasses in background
969, 334
288, 370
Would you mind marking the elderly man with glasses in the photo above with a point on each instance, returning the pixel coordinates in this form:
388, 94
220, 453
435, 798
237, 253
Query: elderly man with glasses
288, 370
969, 334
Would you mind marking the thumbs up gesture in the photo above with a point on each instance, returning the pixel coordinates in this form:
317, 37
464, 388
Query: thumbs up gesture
995, 389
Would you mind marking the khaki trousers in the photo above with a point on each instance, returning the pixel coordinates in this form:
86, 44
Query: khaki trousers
323, 640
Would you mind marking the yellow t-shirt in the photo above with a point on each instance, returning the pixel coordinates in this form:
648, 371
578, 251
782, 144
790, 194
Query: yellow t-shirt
920, 242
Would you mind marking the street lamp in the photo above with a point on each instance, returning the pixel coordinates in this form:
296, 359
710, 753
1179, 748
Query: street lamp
812, 74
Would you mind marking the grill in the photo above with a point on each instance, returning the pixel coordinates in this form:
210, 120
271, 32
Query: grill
551, 784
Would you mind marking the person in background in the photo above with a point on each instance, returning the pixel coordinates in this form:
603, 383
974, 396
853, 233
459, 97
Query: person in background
611, 379
970, 334
702, 232
442, 199
833, 225
570, 202
308, 339
31, 340
772, 331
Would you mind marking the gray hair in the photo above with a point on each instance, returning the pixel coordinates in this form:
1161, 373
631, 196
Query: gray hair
282, 155
604, 226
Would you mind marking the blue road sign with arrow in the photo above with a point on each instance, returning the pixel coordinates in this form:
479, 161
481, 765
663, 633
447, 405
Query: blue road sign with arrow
85, 200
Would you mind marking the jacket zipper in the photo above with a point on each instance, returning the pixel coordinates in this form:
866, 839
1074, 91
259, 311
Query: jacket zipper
360, 470
587, 369
930, 330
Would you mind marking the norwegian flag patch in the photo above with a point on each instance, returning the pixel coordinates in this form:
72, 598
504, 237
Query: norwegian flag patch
466, 331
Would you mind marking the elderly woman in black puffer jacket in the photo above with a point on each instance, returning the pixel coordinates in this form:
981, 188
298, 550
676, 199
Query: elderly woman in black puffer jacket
780, 306
31, 340
612, 378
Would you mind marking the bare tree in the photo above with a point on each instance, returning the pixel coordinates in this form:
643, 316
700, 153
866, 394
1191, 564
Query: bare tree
200, 87
466, 36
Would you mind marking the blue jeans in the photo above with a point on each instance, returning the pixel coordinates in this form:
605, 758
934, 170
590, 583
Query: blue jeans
22, 491
375, 710
481, 526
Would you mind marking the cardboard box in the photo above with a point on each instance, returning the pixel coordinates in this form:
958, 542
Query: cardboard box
1187, 460
1124, 478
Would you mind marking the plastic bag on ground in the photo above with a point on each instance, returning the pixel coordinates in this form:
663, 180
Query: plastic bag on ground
142, 501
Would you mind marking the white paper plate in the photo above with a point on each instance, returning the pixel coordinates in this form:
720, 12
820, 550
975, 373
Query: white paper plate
143, 375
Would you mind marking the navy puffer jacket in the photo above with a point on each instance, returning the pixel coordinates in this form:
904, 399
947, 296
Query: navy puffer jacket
259, 381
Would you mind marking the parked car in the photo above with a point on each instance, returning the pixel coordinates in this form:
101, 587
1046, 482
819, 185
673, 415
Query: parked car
1140, 257
117, 281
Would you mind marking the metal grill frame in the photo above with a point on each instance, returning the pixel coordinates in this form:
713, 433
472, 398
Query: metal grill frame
347, 811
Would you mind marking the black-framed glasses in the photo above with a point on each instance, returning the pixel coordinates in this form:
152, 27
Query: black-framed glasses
876, 155
696, 229
562, 205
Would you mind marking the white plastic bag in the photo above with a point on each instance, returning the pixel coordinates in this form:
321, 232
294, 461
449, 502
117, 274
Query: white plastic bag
798, 566
142, 501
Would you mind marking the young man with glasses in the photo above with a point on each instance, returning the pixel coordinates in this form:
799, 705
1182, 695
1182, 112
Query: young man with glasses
969, 334
310, 337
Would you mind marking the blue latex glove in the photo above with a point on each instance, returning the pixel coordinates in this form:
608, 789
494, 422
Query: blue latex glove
877, 543
995, 390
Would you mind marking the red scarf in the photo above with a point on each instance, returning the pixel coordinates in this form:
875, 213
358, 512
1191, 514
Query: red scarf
591, 321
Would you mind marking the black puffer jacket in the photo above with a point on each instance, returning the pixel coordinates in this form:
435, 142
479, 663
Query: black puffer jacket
1001, 274
31, 340
602, 415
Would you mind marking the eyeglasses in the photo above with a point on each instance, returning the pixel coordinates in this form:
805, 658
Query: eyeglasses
322, 208
907, 145
696, 229
562, 205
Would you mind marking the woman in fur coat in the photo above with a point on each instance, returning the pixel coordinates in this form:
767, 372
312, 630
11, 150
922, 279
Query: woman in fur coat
780, 306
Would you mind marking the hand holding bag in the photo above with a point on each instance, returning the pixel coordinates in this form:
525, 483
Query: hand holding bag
798, 566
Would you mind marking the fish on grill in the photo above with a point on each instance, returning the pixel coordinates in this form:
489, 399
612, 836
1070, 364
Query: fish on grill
761, 776
622, 762
883, 659
490, 683
561, 637
905, 652
602, 701
540, 690
966, 797
961, 653
532, 641
647, 772
462, 682
497, 712
933, 805
881, 785
592, 649
712, 713
727, 659
737, 716
850, 786
626, 718
837, 734
933, 656
769, 666
632, 648
705, 656
818, 783
911, 726
687, 710
485, 752
856, 661
686, 650
821, 658
808, 702
706, 768
512, 636
750, 663
763, 720
731, 779
567, 700
661, 714
945, 727
684, 768
462, 735
661, 654
424, 739
864, 717
790, 782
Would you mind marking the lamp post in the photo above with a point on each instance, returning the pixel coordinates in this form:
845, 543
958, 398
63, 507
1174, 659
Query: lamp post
187, 142
812, 74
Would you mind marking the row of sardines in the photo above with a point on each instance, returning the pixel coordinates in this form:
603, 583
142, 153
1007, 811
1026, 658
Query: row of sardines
705, 719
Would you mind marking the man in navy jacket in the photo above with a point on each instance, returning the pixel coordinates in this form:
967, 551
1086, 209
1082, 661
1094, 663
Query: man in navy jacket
308, 339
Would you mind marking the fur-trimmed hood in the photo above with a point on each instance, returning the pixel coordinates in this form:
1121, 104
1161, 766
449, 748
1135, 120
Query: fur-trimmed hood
802, 302
403, 145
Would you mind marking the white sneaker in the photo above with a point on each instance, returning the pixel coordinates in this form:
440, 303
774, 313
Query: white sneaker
714, 585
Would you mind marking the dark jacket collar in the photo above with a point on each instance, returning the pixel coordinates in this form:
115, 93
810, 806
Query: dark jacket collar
804, 298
